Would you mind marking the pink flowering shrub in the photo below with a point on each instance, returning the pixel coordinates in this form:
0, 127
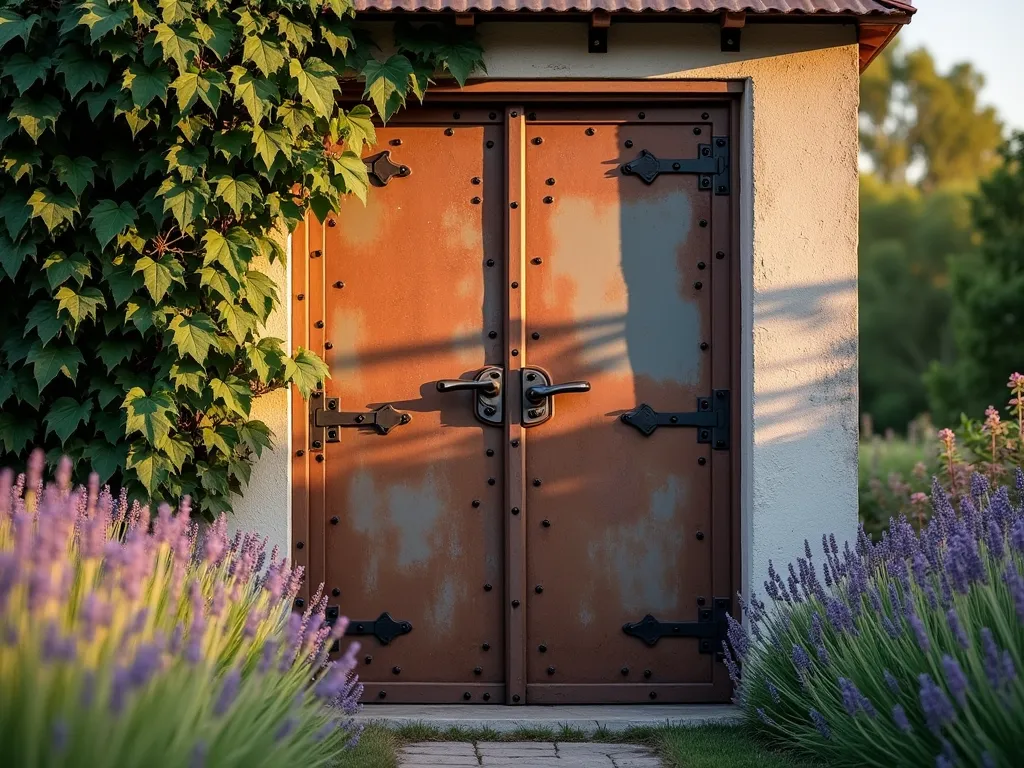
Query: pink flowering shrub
126, 640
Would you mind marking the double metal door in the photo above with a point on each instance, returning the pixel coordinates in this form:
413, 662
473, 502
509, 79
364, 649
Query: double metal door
518, 482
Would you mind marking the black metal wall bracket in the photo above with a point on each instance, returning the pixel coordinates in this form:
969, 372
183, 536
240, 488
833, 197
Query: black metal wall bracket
383, 419
382, 168
710, 627
711, 419
711, 166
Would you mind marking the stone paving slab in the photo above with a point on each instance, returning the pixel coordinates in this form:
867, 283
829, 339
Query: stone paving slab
529, 754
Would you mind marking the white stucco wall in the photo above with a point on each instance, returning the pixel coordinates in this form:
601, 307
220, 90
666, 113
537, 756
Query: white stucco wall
798, 168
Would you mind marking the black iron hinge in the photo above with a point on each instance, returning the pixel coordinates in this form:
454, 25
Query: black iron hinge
384, 628
383, 419
711, 419
711, 166
710, 627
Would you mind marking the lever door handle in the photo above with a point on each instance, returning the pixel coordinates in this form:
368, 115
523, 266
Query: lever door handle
541, 392
489, 387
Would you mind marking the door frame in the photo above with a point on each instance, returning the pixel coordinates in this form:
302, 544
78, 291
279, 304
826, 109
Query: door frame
506, 95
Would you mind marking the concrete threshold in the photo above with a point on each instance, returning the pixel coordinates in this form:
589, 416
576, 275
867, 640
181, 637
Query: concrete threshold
586, 719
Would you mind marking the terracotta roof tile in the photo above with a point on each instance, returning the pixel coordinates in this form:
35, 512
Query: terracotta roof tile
825, 7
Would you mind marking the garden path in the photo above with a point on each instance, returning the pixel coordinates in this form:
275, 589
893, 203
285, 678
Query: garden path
526, 754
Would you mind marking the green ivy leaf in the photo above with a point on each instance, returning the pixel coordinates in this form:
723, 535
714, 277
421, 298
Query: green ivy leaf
123, 165
214, 478
159, 276
16, 431
218, 282
207, 86
35, 115
269, 142
217, 439
96, 101
15, 211
21, 162
352, 171
261, 293
54, 208
7, 382
317, 83
149, 466
299, 35
234, 393
188, 374
80, 69
266, 54
178, 451
186, 200
231, 143
193, 335
305, 370
147, 83
239, 320
187, 160
337, 34
175, 10
13, 255
386, 83
106, 457
43, 317
356, 127
217, 33
101, 19
80, 305
65, 415
121, 281
110, 219
148, 414
106, 392
265, 357
75, 173
50, 360
255, 93
179, 44
228, 252
25, 71
115, 351
256, 435
60, 268
12, 25
238, 193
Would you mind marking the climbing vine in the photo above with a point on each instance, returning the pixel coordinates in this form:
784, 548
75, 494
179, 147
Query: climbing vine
152, 155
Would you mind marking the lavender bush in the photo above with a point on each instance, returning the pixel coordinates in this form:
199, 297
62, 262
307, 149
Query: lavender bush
135, 642
904, 652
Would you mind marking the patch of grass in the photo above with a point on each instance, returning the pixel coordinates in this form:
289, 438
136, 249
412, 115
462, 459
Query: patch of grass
719, 746
378, 748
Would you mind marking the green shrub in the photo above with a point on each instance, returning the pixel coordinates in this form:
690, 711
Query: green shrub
904, 652
125, 647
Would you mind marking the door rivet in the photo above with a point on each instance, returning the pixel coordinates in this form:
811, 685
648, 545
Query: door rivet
549, 200
515, 603
486, 646
720, 394
624, 671
647, 673
492, 335
703, 222
332, 223
490, 410
515, 443
515, 510
476, 502
490, 144
493, 115
360, 419
720, 255
538, 140
396, 670
702, 461
721, 190
515, 353
475, 180
513, 205
300, 545
542, 648
537, 260
405, 418
696, 131
335, 520
490, 262
720, 142
531, 376
301, 297
589, 131
532, 116
299, 602
536, 482
315, 254
652, 695
478, 670
319, 323
546, 523
535, 335
328, 345
395, 142
706, 152
515, 698
336, 592
676, 166
701, 265
449, 131
538, 589
488, 587
704, 116
491, 481
515, 284
701, 601
339, 284
487, 697
320, 458
629, 143
332, 404
704, 434
550, 182
489, 451
700, 535
514, 114
703, 345
642, 115
300, 452
368, 660
674, 419
382, 694
719, 443
318, 444
332, 434
475, 201
705, 182
551, 670
698, 285
457, 115
535, 413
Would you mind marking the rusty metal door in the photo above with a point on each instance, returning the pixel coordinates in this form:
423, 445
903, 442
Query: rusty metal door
625, 212
566, 536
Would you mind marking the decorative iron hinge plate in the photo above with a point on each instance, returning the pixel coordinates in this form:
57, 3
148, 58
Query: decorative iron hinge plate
382, 168
711, 166
711, 419
384, 628
710, 627
330, 419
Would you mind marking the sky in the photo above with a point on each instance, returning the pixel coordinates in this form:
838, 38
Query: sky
985, 32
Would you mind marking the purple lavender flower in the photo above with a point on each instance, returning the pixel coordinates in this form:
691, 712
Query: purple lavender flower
994, 540
285, 729
937, 708
1000, 507
800, 658
891, 629
764, 717
820, 724
920, 633
59, 735
957, 628
773, 692
894, 598
853, 700
956, 681
1017, 535
998, 666
1015, 582
979, 486
899, 717
891, 682
737, 637
118, 689
198, 757
822, 654
228, 691
730, 663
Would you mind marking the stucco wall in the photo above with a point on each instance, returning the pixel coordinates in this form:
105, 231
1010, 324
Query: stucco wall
798, 167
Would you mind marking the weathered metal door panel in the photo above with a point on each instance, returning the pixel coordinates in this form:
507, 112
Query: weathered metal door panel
412, 519
619, 293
